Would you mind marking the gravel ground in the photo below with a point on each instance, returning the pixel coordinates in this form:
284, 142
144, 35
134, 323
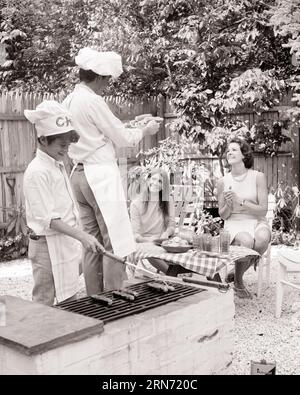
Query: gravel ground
258, 334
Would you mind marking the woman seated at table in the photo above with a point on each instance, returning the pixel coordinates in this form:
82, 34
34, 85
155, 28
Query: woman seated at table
243, 204
153, 217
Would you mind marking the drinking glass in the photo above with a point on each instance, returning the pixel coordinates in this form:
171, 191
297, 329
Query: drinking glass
198, 241
207, 239
224, 241
215, 244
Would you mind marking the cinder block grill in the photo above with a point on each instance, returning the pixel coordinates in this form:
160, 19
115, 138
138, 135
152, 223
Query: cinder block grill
147, 299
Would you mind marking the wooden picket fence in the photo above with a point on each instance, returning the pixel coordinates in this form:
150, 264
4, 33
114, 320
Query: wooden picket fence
284, 168
18, 138
18, 141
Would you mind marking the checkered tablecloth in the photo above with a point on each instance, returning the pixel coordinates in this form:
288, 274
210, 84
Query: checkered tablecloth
202, 262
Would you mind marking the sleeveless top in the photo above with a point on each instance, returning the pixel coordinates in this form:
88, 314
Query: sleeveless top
244, 189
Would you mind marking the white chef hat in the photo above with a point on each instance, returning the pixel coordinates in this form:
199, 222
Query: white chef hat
101, 63
50, 118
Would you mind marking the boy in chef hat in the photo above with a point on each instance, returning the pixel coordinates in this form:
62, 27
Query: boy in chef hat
51, 210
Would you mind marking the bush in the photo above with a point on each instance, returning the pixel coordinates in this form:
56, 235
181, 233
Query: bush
13, 247
287, 214
206, 223
287, 210
14, 241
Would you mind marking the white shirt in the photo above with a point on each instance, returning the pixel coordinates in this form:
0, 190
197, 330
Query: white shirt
99, 129
48, 195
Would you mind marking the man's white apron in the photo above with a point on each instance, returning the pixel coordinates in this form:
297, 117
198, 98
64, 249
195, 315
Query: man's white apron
105, 181
65, 255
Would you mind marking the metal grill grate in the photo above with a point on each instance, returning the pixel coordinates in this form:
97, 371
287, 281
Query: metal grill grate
147, 299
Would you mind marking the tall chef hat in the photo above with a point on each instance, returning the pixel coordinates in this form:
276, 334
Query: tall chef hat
101, 63
50, 118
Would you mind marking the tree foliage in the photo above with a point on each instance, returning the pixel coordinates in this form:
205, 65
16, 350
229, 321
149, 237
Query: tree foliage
212, 58
39, 37
285, 19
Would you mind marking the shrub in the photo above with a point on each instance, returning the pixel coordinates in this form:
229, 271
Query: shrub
13, 247
14, 242
287, 210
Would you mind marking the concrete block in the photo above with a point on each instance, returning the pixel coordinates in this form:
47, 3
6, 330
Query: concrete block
119, 334
17, 363
56, 360
191, 336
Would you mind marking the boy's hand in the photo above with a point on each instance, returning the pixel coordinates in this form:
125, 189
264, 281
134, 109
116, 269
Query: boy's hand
90, 243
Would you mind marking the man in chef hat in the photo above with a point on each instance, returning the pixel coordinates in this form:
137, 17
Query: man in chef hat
96, 179
51, 209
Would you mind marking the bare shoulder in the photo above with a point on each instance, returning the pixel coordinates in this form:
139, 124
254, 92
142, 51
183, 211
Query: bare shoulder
220, 187
220, 183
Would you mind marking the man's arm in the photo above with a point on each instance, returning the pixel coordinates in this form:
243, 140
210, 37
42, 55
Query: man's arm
88, 241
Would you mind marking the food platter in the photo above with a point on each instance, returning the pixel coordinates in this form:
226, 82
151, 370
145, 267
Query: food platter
174, 245
176, 248
142, 120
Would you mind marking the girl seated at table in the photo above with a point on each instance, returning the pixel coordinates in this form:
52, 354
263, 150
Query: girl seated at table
153, 217
243, 204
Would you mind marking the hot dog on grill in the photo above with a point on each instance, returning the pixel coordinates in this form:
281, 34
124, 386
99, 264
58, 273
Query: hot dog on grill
130, 292
102, 300
124, 295
158, 287
170, 287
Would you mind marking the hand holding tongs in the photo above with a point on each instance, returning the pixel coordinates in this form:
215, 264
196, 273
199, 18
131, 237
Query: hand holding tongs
125, 262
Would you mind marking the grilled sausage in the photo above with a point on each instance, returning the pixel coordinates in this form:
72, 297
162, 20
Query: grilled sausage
158, 287
102, 300
123, 295
130, 292
170, 287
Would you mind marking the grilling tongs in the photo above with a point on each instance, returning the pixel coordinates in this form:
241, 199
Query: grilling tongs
221, 287
125, 262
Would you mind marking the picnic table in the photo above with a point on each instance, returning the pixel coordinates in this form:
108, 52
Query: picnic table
205, 263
